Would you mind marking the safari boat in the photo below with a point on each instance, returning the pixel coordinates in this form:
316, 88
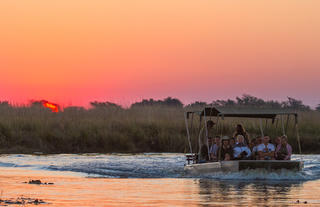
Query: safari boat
194, 166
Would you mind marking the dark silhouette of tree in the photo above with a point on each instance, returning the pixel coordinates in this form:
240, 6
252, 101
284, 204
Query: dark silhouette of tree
4, 104
172, 102
254, 102
105, 105
224, 103
295, 105
197, 104
36, 104
248, 100
74, 109
318, 108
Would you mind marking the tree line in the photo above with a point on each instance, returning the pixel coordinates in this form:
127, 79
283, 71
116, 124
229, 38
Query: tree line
243, 101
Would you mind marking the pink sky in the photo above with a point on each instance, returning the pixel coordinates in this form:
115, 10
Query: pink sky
77, 51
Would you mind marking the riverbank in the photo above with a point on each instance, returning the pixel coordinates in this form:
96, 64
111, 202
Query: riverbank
134, 130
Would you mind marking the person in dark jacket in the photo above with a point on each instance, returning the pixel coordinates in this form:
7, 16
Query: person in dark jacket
241, 131
226, 150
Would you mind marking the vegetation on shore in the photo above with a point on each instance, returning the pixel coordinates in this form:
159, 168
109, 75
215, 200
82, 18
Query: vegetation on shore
147, 126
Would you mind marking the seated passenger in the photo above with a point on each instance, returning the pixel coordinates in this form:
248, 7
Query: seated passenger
213, 151
241, 151
252, 143
284, 150
203, 147
241, 131
232, 142
210, 142
226, 149
227, 157
266, 149
253, 147
256, 142
277, 141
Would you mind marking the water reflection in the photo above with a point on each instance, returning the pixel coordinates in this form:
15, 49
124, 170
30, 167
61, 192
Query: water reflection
242, 192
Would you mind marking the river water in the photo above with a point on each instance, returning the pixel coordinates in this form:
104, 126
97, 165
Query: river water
153, 179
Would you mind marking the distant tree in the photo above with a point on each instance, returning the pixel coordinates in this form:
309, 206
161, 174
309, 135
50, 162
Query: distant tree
105, 105
45, 105
74, 109
248, 100
224, 103
251, 101
36, 104
172, 102
295, 105
197, 104
318, 108
4, 104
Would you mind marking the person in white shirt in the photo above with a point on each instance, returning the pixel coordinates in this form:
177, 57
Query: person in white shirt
255, 142
266, 149
241, 151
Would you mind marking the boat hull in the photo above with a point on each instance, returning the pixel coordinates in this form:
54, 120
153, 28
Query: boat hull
239, 165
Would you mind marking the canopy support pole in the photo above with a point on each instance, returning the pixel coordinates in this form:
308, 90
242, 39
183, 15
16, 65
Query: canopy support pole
188, 133
206, 128
198, 142
277, 120
266, 126
298, 136
220, 146
261, 128
282, 125
288, 118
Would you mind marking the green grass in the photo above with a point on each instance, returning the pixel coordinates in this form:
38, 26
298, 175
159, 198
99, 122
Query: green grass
139, 129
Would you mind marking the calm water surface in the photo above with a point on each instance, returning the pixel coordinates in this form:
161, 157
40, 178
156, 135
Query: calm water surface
152, 180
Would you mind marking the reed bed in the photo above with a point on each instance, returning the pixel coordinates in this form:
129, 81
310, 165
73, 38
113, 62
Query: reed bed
133, 130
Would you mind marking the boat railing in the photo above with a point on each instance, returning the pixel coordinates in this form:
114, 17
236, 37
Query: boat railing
191, 158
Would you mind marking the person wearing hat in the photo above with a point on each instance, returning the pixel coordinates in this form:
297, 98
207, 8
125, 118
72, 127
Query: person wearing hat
226, 150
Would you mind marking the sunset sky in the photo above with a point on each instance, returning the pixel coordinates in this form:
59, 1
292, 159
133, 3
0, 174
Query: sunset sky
75, 51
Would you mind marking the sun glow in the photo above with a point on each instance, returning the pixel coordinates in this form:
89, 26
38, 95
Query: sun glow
52, 106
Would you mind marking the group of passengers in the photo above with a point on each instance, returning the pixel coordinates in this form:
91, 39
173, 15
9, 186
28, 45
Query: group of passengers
240, 147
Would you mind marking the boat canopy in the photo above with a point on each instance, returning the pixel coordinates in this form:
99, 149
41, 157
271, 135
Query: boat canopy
242, 112
239, 112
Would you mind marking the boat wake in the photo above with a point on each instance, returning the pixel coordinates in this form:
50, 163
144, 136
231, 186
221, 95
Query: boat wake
148, 165
259, 174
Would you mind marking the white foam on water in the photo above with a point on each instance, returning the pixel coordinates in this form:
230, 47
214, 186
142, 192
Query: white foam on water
258, 174
149, 165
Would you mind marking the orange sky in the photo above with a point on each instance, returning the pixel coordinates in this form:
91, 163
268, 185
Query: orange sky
77, 51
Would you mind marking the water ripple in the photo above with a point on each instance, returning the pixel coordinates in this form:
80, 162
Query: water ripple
148, 165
